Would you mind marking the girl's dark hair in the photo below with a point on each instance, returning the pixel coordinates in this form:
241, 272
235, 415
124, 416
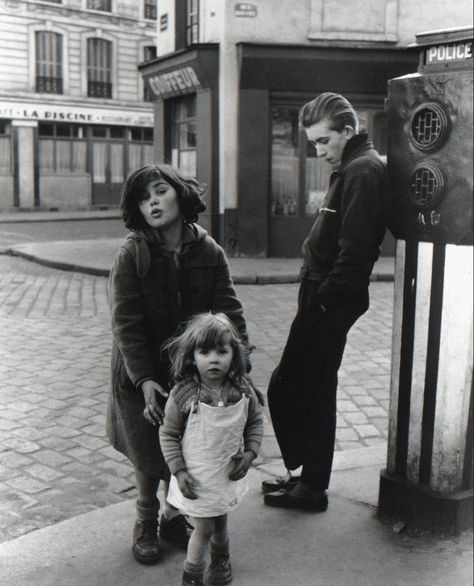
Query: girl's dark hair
206, 331
189, 191
329, 106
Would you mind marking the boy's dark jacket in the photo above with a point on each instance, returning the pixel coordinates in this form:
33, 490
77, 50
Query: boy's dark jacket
344, 242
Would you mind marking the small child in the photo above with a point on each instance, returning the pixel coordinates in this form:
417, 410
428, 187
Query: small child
212, 431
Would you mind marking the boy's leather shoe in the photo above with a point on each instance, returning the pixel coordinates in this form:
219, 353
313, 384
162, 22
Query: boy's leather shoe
302, 499
176, 530
283, 482
145, 541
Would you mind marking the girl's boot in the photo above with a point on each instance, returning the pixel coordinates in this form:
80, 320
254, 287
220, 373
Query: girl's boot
193, 574
145, 547
220, 569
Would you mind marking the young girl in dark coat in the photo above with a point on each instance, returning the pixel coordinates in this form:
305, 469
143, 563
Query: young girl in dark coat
167, 270
211, 434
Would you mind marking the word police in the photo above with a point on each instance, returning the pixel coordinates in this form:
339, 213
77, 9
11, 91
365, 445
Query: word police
452, 52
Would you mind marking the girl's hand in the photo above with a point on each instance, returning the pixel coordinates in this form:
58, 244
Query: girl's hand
242, 462
153, 413
186, 484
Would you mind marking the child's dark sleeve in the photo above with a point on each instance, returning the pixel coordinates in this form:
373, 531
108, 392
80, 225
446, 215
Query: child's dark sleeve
171, 432
253, 432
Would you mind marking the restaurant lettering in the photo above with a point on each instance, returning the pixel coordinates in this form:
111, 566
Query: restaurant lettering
174, 82
38, 112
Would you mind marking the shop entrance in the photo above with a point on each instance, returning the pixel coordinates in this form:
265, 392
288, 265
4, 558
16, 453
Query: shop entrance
107, 165
299, 180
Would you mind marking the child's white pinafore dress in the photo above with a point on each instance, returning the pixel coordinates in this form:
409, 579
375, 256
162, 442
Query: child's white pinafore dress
212, 436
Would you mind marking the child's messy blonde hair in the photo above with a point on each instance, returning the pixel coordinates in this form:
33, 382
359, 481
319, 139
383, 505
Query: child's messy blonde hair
206, 331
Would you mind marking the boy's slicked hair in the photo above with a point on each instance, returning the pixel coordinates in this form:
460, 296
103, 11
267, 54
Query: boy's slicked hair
332, 107
205, 331
188, 189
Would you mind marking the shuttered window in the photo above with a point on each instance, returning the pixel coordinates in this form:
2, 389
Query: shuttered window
49, 76
99, 68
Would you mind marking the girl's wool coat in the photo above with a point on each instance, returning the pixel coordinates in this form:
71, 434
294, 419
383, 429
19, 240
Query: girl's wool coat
152, 292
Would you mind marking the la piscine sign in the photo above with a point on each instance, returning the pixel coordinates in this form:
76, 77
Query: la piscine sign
50, 113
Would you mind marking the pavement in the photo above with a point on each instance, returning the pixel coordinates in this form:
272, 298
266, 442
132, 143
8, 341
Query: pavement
346, 546
71, 496
95, 256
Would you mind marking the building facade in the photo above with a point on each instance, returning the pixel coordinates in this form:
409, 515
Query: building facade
75, 115
230, 78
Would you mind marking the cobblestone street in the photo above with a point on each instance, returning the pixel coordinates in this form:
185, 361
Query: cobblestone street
55, 461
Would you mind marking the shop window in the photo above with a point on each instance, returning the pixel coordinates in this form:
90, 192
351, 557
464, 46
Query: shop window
192, 22
99, 131
117, 132
140, 148
150, 9
299, 180
100, 5
99, 68
183, 134
5, 147
141, 134
317, 174
148, 134
285, 162
62, 148
49, 77
149, 52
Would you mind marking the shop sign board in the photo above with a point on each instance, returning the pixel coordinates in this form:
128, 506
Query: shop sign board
179, 81
57, 113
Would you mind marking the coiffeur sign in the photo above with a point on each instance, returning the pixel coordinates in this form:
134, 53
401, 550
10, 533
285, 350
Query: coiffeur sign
178, 81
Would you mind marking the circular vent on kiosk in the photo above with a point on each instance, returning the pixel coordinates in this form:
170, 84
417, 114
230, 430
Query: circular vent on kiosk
426, 185
429, 127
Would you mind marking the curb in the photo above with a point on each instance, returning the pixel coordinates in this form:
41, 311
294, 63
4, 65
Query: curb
253, 278
60, 265
45, 216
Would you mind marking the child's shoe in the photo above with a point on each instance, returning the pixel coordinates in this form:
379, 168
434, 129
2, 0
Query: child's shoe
220, 568
193, 574
192, 579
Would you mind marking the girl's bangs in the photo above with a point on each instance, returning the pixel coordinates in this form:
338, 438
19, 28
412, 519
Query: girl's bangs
212, 337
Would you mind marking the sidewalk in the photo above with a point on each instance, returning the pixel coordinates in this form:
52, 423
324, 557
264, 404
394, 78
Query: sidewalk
346, 546
95, 257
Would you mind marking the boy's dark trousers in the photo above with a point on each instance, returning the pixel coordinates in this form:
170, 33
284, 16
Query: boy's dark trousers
302, 389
